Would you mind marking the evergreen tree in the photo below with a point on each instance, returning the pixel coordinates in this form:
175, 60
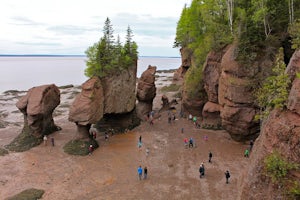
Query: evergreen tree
108, 56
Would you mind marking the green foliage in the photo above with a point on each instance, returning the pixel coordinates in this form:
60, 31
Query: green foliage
29, 194
170, 88
3, 152
275, 90
294, 31
108, 56
277, 167
202, 27
193, 81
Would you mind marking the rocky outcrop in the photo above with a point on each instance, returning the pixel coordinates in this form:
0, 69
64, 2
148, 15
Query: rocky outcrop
294, 65
146, 92
236, 96
88, 106
211, 74
110, 97
119, 91
280, 133
186, 57
294, 97
37, 107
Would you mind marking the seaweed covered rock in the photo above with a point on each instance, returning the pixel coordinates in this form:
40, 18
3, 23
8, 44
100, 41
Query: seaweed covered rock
37, 107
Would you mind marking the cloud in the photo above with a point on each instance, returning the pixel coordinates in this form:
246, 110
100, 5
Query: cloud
70, 29
66, 27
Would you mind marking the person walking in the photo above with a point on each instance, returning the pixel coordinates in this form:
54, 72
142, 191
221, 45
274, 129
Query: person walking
145, 172
227, 176
202, 170
45, 140
185, 142
191, 143
140, 139
209, 156
147, 151
52, 141
246, 154
140, 172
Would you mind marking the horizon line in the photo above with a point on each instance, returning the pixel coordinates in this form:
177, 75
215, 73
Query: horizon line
67, 55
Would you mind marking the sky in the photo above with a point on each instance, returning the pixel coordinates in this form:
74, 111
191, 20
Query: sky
69, 27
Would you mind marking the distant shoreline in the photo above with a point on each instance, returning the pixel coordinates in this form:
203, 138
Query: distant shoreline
47, 55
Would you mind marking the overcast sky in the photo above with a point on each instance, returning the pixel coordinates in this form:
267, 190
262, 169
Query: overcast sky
71, 26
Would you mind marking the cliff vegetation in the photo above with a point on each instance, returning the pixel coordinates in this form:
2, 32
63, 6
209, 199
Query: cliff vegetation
107, 55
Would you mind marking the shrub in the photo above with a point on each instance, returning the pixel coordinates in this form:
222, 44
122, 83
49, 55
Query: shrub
277, 167
3, 152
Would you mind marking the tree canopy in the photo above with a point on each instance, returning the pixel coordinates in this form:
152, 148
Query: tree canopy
107, 55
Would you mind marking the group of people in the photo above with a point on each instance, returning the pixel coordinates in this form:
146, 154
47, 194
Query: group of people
140, 172
202, 168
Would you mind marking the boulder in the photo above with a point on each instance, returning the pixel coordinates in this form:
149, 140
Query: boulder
146, 92
37, 106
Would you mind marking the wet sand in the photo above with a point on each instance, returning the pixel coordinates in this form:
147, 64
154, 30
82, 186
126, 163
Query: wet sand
111, 171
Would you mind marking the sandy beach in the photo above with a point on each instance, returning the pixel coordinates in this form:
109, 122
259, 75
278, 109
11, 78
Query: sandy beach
111, 171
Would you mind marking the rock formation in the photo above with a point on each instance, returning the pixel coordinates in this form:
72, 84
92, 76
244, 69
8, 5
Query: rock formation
281, 133
37, 107
88, 106
108, 102
146, 92
211, 74
186, 60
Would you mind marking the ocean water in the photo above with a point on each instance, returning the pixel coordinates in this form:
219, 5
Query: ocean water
25, 72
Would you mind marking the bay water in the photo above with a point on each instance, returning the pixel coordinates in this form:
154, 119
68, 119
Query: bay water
25, 72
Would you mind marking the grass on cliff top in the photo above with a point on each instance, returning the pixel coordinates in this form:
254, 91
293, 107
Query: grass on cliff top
79, 147
170, 88
3, 152
24, 141
29, 194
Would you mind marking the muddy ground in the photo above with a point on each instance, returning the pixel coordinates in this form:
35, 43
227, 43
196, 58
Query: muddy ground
111, 171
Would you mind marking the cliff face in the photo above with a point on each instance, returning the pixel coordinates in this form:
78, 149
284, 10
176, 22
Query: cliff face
281, 133
229, 87
235, 95
186, 62
119, 91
